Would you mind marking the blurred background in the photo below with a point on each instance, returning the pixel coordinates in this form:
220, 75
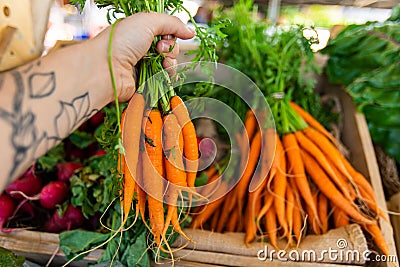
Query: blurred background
327, 16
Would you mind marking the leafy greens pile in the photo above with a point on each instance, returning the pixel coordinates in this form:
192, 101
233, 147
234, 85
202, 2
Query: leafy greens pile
365, 59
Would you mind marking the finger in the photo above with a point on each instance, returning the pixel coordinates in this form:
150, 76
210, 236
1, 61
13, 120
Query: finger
164, 24
168, 48
169, 64
168, 37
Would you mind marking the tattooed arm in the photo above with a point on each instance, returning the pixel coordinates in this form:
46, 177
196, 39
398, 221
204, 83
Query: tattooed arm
44, 101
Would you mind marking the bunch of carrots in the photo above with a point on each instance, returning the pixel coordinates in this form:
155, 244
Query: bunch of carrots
165, 146
310, 186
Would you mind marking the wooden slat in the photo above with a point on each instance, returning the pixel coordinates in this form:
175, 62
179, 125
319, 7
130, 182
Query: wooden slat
394, 206
184, 263
232, 244
39, 247
216, 259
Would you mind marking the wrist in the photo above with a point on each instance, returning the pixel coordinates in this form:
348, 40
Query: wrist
97, 78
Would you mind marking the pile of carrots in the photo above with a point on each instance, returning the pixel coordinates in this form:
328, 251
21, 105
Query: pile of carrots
310, 186
165, 146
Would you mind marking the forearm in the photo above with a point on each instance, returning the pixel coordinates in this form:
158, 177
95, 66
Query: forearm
44, 101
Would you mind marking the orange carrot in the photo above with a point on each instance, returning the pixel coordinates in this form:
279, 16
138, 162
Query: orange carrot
344, 180
201, 218
378, 237
190, 149
253, 208
359, 179
310, 120
210, 186
370, 202
214, 219
250, 125
340, 218
248, 171
330, 151
296, 170
289, 213
131, 139
279, 183
268, 203
325, 185
323, 212
244, 139
129, 191
272, 229
174, 167
173, 141
297, 220
266, 158
176, 224
313, 222
307, 145
340, 162
153, 171
140, 193
227, 207
232, 223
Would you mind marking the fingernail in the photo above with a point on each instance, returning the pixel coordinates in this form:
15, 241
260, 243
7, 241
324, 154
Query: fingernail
164, 47
168, 37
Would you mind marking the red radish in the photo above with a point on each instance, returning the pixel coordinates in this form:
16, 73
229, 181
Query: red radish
96, 120
50, 226
91, 149
73, 152
72, 219
100, 153
84, 127
27, 208
66, 170
207, 147
7, 206
53, 193
28, 184
75, 216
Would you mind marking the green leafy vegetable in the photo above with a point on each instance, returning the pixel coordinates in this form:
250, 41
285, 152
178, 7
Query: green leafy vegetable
365, 59
73, 242
81, 139
55, 155
9, 259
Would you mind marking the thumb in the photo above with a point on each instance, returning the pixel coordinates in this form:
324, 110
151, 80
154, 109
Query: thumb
164, 24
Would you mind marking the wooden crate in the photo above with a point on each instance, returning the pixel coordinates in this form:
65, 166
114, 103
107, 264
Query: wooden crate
211, 248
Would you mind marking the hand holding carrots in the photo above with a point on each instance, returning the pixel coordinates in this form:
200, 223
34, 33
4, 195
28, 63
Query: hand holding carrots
132, 39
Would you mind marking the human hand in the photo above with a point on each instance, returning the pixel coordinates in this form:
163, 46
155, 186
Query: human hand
132, 39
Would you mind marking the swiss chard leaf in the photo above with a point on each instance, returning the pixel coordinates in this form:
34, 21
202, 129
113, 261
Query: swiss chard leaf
76, 241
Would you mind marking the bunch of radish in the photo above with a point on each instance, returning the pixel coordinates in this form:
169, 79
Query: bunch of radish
32, 195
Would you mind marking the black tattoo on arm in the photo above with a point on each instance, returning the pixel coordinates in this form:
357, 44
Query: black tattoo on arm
73, 113
24, 132
41, 84
26, 138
